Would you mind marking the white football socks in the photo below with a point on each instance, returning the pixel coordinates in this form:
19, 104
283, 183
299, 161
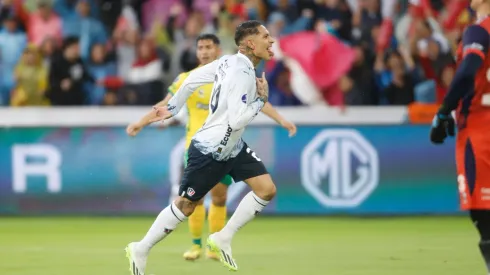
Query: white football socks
164, 224
248, 208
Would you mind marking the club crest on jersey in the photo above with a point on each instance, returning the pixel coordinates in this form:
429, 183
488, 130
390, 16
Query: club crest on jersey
190, 192
244, 98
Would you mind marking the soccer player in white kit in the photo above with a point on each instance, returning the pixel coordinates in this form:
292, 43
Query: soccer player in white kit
217, 148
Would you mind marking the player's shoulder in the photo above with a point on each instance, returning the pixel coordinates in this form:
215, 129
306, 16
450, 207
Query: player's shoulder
478, 29
241, 65
181, 77
477, 36
228, 60
233, 60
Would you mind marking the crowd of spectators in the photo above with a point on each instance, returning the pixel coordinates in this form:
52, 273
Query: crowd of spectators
126, 52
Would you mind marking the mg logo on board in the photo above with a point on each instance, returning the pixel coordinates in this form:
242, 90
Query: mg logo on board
339, 168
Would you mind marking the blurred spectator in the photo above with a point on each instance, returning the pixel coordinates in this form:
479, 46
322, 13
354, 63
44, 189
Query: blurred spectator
125, 37
100, 66
279, 25
335, 17
120, 34
67, 9
226, 31
31, 77
41, 24
281, 93
67, 75
184, 39
144, 79
360, 87
126, 51
6, 9
109, 13
286, 8
366, 20
88, 29
434, 52
12, 44
446, 78
48, 48
401, 67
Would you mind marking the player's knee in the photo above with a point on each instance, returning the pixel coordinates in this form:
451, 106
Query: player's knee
219, 199
267, 192
186, 206
218, 194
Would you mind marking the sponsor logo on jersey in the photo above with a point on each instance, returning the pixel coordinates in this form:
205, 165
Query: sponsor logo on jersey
244, 98
224, 141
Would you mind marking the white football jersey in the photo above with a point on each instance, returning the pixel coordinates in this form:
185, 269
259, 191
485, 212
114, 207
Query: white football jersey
234, 104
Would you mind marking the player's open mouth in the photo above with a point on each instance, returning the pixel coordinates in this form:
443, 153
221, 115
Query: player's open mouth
270, 51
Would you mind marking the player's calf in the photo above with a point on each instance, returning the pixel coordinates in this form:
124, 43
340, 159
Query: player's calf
263, 190
196, 224
481, 219
219, 194
263, 187
166, 222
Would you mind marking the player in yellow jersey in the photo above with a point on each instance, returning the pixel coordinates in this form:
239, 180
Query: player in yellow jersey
208, 50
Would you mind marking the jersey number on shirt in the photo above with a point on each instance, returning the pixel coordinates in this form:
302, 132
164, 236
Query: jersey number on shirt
215, 99
253, 154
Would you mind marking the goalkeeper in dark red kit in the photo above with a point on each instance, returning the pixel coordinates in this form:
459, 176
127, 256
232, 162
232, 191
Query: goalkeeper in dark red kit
469, 96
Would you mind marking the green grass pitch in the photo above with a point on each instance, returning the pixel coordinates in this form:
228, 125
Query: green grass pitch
282, 246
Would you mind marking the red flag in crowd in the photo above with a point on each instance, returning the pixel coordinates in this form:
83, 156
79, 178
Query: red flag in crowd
322, 56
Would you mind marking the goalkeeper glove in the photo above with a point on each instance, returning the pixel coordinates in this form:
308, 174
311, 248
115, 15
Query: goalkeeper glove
442, 126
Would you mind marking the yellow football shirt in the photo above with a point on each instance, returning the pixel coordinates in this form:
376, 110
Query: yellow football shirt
197, 105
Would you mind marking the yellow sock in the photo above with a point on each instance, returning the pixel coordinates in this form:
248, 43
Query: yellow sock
216, 218
196, 224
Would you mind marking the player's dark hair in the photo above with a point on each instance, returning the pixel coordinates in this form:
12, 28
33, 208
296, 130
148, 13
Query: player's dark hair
208, 36
245, 29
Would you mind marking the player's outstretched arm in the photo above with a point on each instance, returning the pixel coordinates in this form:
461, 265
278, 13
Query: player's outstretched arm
134, 128
475, 47
271, 112
198, 77
239, 112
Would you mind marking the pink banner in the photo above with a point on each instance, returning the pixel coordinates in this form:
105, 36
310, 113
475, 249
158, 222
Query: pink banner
322, 56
